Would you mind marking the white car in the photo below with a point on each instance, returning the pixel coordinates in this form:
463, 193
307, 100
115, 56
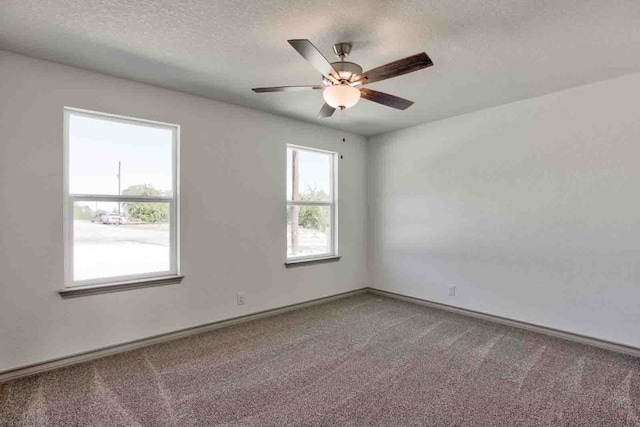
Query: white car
113, 218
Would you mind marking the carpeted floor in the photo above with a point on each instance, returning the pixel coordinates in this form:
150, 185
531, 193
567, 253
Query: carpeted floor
365, 360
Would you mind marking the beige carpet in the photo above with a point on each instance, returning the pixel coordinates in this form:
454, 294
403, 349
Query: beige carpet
364, 360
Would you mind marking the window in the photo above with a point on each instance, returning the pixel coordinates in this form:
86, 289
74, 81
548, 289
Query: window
311, 204
121, 201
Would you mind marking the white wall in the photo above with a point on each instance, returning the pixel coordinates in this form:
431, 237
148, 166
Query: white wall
232, 216
531, 209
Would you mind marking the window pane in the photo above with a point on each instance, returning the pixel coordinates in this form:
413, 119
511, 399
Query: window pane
117, 157
113, 239
313, 177
308, 230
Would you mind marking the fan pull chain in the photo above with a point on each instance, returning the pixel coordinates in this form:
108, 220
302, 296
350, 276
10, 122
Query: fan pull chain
344, 136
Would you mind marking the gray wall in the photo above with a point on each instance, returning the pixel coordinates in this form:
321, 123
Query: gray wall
531, 209
232, 216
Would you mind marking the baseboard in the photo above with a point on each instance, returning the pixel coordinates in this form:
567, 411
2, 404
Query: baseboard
74, 359
582, 339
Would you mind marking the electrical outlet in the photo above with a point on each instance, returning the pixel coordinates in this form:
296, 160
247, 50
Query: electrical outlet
452, 290
240, 298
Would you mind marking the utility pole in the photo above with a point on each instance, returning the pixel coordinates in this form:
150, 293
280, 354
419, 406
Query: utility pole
295, 209
119, 175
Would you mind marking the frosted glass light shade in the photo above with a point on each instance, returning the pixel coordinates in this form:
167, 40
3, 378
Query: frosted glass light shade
341, 96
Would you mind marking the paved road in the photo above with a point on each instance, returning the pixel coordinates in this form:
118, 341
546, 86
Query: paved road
152, 234
112, 250
119, 250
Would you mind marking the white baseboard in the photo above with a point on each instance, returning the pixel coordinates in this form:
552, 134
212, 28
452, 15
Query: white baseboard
78, 358
582, 339
74, 359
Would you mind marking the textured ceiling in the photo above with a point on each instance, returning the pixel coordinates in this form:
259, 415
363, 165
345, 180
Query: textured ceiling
486, 52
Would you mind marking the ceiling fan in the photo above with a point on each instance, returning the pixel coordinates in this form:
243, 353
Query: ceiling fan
343, 82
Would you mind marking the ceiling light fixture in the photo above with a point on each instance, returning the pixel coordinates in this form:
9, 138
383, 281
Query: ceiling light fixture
341, 96
339, 78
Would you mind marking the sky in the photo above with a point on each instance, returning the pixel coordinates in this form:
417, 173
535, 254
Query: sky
97, 145
315, 171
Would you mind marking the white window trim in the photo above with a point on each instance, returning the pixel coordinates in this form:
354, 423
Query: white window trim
333, 204
162, 277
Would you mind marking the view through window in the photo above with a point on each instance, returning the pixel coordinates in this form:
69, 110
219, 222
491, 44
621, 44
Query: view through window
311, 203
121, 200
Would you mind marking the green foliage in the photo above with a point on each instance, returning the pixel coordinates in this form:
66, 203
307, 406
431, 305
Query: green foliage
81, 212
313, 217
146, 212
316, 217
142, 190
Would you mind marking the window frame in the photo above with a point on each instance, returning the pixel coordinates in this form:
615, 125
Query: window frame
69, 200
332, 204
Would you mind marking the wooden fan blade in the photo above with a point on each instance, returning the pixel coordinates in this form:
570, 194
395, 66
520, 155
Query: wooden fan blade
385, 99
285, 88
326, 111
395, 68
309, 52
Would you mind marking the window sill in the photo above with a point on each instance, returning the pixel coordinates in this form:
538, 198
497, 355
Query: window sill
81, 291
307, 261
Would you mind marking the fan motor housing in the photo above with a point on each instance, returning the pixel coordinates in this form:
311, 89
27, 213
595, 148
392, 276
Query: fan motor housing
347, 70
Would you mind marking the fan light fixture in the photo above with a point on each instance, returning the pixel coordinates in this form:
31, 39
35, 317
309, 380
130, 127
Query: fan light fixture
339, 78
341, 96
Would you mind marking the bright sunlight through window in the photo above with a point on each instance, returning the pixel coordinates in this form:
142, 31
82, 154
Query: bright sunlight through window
311, 203
121, 201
